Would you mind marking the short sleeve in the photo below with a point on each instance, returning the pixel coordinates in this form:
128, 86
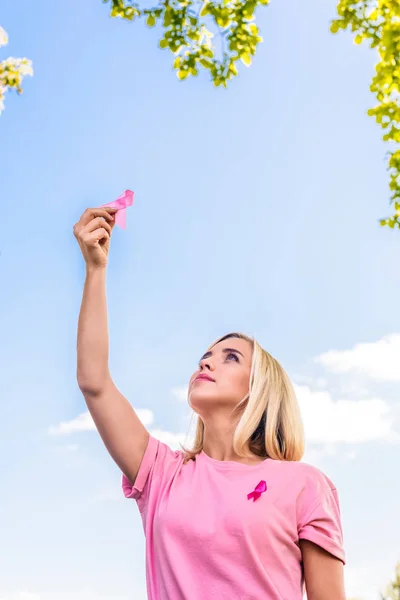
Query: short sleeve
145, 468
157, 462
319, 515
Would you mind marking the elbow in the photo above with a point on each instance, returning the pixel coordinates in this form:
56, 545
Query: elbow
94, 385
88, 391
91, 389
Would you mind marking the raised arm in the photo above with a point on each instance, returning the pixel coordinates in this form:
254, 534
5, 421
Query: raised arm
120, 428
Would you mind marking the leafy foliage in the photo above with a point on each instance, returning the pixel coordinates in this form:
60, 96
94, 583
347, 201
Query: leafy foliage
378, 23
187, 35
393, 589
12, 71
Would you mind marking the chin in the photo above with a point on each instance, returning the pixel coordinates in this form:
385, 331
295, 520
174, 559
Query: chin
199, 400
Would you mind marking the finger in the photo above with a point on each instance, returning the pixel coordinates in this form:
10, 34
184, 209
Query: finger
91, 238
97, 223
91, 213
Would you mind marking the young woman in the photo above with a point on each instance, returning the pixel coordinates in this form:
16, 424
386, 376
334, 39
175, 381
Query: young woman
238, 516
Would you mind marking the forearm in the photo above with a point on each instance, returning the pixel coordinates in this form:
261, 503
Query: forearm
93, 343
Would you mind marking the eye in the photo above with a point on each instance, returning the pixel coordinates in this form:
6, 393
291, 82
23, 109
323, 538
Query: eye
232, 355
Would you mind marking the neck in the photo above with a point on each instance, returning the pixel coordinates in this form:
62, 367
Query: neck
218, 443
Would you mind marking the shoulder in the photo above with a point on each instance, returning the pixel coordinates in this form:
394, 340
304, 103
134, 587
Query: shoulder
303, 477
311, 474
167, 456
310, 491
299, 468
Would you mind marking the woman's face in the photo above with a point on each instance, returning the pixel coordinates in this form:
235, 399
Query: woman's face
223, 377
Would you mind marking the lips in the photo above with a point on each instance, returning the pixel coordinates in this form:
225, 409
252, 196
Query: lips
204, 377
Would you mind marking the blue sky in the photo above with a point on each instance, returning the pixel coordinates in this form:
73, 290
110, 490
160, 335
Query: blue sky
256, 209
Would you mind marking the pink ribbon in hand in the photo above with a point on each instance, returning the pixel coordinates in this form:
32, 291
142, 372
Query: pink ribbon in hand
121, 203
258, 490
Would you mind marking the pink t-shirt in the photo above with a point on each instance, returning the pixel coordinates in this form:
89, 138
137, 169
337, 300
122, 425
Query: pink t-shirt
206, 540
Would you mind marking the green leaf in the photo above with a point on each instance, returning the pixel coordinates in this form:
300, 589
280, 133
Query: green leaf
248, 8
335, 27
207, 64
205, 10
186, 33
129, 13
207, 52
233, 69
167, 17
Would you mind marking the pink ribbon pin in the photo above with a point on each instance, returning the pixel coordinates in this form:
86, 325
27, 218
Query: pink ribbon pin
258, 490
121, 203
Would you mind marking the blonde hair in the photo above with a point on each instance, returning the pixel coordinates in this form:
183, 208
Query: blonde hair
270, 423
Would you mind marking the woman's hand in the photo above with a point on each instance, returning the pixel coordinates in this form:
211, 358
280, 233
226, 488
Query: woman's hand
93, 233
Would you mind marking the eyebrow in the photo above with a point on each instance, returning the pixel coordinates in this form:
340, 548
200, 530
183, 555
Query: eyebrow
225, 351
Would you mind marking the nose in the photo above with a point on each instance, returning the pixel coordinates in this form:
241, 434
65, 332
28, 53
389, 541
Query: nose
206, 365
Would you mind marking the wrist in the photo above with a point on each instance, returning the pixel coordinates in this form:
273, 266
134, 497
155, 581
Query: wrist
95, 271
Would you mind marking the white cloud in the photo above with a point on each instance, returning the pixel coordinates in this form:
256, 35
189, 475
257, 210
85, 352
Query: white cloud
172, 439
348, 421
20, 596
378, 360
180, 393
84, 422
